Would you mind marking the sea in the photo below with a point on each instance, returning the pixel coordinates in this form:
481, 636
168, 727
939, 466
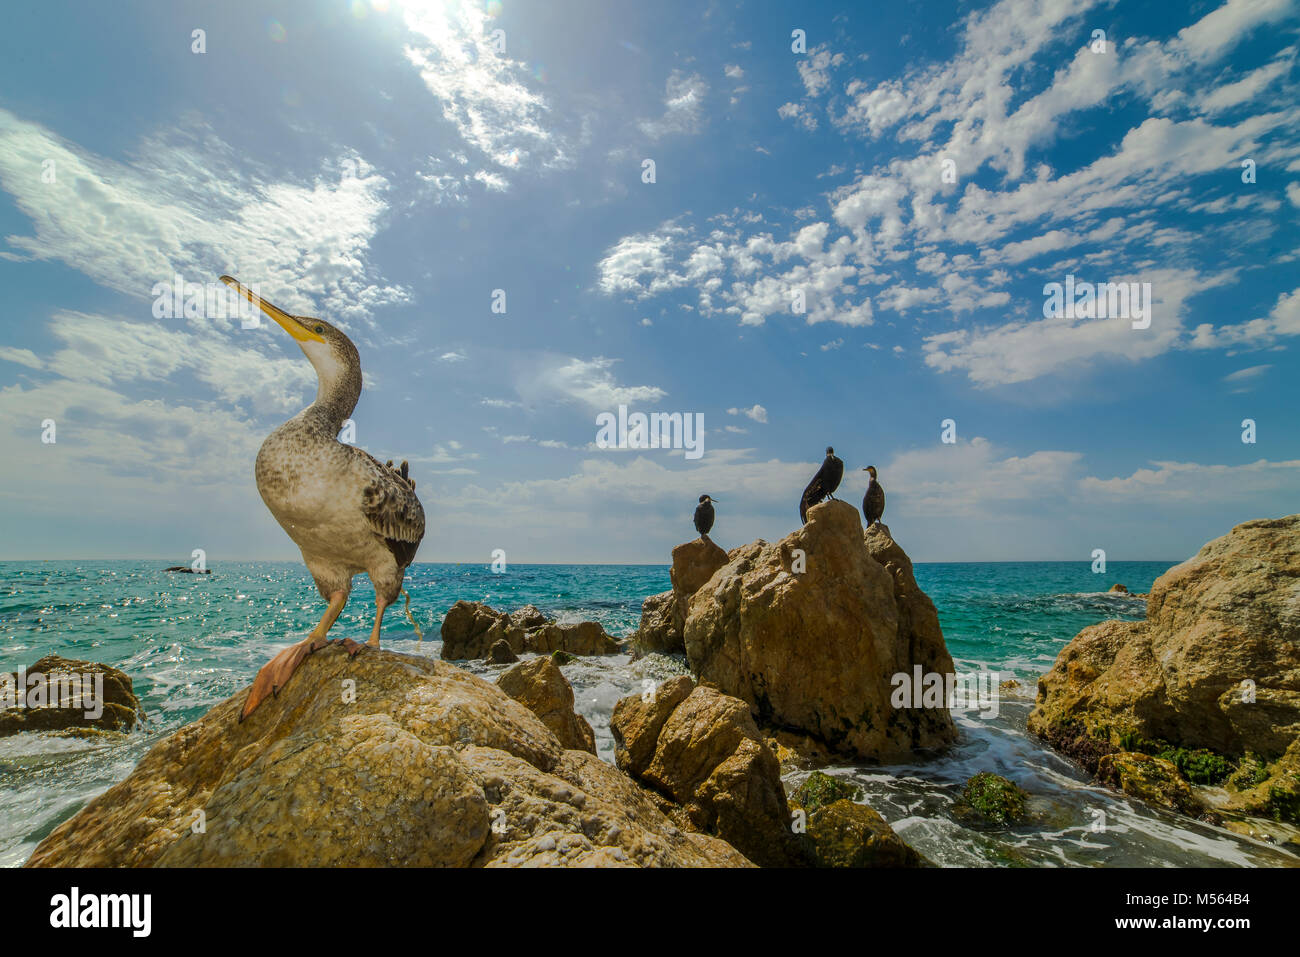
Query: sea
190, 641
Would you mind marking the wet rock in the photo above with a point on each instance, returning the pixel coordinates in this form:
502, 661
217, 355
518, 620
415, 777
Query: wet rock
1147, 778
541, 687
66, 694
820, 789
501, 653
993, 799
383, 760
845, 834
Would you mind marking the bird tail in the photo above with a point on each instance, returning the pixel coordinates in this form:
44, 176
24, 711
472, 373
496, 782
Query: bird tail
411, 618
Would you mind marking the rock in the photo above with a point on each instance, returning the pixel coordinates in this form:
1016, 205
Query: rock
501, 653
694, 563
471, 628
541, 687
84, 685
845, 834
1266, 789
1118, 589
702, 750
417, 764
820, 789
658, 631
528, 617
1215, 666
579, 638
815, 650
563, 657
1150, 779
186, 570
994, 799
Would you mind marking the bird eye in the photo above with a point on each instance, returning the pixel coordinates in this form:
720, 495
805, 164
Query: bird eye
320, 329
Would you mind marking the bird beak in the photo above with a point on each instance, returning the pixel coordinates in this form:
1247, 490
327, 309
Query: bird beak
290, 323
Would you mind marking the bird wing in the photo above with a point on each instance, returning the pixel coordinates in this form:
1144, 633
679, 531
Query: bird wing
394, 513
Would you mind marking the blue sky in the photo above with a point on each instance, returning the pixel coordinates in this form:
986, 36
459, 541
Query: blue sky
384, 166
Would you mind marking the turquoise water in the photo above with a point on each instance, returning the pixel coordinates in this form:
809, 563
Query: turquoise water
190, 641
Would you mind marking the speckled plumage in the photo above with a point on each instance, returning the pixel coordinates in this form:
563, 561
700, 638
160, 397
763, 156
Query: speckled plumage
346, 511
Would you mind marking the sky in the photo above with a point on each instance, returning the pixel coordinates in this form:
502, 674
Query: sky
812, 224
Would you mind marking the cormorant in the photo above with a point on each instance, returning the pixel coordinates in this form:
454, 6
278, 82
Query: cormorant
347, 512
826, 481
873, 503
704, 515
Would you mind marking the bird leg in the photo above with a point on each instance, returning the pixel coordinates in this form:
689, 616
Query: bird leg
332, 611
275, 674
380, 606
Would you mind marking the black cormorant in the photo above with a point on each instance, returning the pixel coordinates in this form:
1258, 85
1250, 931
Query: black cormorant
826, 481
873, 503
704, 515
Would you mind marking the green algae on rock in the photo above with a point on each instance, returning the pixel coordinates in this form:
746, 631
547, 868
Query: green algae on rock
845, 834
820, 789
994, 798
1211, 676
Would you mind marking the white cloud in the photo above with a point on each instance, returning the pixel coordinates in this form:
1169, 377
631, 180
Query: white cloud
184, 207
683, 107
755, 412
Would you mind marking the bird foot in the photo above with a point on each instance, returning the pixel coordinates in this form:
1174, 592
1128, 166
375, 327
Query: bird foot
351, 647
275, 674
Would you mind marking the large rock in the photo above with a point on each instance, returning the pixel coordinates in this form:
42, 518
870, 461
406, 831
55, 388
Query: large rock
540, 686
702, 750
471, 629
659, 632
1222, 628
385, 760
812, 630
86, 687
694, 563
578, 638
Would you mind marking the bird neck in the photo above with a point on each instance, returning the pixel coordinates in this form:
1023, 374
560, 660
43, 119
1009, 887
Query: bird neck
337, 391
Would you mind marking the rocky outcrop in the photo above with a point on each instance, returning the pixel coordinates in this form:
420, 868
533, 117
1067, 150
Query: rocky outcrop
658, 631
381, 760
1214, 669
67, 695
583, 638
663, 616
471, 629
701, 750
541, 687
811, 632
694, 563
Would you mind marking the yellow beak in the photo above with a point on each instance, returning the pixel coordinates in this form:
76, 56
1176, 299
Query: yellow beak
292, 324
